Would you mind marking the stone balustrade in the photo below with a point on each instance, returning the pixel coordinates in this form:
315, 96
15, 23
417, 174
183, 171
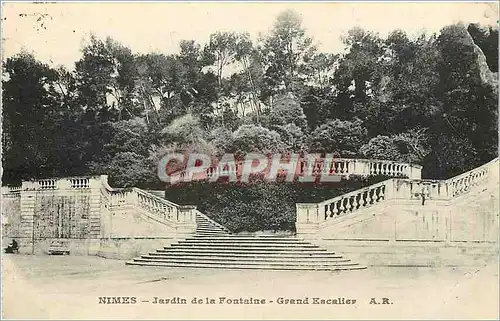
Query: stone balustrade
11, 190
343, 204
117, 199
394, 188
464, 182
363, 167
158, 206
152, 204
83, 182
69, 183
340, 166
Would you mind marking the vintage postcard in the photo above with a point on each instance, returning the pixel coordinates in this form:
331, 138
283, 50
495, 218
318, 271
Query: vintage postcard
250, 160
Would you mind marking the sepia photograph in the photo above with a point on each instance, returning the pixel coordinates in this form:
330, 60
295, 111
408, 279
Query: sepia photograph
259, 160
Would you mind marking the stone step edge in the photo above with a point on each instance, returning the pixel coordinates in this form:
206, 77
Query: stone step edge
244, 263
219, 252
256, 267
272, 259
277, 255
243, 241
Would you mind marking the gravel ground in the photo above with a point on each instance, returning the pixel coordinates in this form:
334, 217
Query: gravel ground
69, 287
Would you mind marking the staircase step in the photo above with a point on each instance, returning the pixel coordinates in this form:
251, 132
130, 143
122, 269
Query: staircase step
246, 242
255, 267
241, 241
210, 231
246, 237
249, 255
297, 260
249, 263
246, 248
245, 245
244, 251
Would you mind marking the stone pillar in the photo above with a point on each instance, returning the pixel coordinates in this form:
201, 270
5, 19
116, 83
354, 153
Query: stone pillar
390, 187
307, 222
414, 171
351, 167
363, 167
95, 208
186, 221
28, 200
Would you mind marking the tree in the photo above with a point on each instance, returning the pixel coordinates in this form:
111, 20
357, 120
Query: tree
222, 49
251, 138
31, 117
286, 110
285, 53
106, 75
409, 147
357, 67
252, 73
337, 136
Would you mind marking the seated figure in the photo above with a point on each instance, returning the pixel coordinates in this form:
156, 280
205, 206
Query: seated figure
13, 247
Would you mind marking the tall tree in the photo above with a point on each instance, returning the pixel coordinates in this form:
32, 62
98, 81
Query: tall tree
285, 53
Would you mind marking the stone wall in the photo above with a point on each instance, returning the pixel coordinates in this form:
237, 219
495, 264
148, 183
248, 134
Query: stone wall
95, 218
114, 248
413, 253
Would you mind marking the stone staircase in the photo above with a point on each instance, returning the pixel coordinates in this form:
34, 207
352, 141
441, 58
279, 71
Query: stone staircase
206, 226
246, 252
214, 246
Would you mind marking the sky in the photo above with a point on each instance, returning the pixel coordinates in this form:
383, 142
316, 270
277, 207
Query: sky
56, 32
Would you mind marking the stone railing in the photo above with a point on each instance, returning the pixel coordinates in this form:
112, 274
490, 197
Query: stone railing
156, 207
340, 166
364, 167
69, 183
344, 204
11, 190
393, 189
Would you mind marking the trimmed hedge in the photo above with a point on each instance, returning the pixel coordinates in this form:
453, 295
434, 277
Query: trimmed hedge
259, 205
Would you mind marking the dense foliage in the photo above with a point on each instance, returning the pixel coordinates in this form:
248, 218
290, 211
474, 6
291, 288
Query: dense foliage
428, 100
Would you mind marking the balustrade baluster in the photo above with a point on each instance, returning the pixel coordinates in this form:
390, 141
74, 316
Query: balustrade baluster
335, 210
357, 200
364, 196
349, 204
328, 211
381, 193
341, 206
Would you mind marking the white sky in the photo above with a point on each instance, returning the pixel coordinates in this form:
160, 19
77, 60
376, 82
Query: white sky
147, 27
